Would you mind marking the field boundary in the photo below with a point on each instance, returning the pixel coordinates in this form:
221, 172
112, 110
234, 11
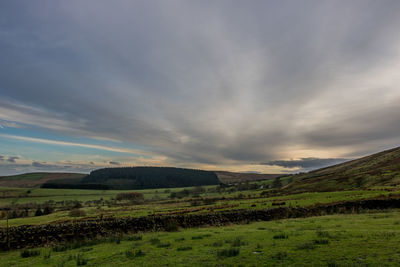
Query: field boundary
74, 231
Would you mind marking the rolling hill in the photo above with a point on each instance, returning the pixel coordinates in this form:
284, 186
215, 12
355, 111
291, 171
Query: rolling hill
36, 179
236, 177
43, 179
380, 169
126, 178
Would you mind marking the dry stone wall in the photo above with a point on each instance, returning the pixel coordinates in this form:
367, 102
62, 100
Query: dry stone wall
74, 231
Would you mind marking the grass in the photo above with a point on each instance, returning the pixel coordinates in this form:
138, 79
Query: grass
161, 205
369, 239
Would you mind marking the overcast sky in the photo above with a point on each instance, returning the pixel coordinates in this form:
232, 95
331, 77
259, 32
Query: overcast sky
267, 86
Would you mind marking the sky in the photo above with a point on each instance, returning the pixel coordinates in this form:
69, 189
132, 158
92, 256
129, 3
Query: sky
247, 86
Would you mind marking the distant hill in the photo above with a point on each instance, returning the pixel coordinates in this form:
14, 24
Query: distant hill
235, 177
36, 179
380, 169
139, 178
73, 180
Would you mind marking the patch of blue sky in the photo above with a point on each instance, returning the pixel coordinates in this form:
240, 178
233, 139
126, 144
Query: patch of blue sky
27, 139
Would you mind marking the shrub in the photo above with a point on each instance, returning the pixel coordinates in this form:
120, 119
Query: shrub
77, 213
217, 244
59, 248
60, 264
132, 196
229, 252
26, 253
321, 241
209, 201
172, 226
134, 238
237, 242
80, 260
154, 241
278, 203
306, 245
332, 264
134, 254
85, 249
276, 183
163, 245
47, 255
281, 236
184, 248
129, 254
195, 203
38, 212
139, 253
323, 234
47, 210
280, 255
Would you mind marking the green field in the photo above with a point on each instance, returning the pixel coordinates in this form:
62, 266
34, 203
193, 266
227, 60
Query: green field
369, 239
157, 201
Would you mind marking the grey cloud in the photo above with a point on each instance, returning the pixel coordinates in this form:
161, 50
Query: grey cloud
12, 159
208, 82
40, 165
1, 158
306, 163
114, 163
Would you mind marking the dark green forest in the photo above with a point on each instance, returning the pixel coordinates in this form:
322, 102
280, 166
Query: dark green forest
139, 178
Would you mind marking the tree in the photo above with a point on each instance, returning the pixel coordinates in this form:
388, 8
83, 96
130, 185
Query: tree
38, 212
47, 210
277, 183
132, 196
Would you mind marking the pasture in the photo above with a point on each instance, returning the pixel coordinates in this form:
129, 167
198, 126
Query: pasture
365, 239
95, 203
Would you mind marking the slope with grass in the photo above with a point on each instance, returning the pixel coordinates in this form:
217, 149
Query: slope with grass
237, 177
126, 178
380, 169
369, 239
36, 179
68, 180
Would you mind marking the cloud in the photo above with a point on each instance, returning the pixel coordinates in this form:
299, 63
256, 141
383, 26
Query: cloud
207, 83
64, 143
114, 163
306, 163
12, 159
1, 158
40, 165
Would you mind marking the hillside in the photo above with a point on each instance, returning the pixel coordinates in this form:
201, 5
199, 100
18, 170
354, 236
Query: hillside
235, 177
58, 180
380, 169
139, 178
36, 179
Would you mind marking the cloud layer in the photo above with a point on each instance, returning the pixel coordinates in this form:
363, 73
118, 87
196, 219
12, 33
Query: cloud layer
207, 84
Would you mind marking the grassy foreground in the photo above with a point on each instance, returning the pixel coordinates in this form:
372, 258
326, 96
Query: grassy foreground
370, 239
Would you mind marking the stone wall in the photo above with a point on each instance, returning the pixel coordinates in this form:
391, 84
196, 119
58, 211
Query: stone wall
49, 234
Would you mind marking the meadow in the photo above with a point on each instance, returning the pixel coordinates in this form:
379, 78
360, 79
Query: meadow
369, 239
96, 203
